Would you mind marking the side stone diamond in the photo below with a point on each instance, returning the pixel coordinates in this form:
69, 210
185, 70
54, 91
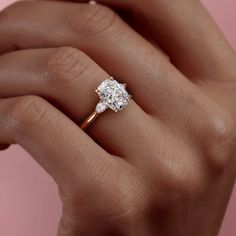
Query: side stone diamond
101, 107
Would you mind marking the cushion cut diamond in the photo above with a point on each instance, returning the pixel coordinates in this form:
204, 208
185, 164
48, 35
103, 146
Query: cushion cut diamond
113, 94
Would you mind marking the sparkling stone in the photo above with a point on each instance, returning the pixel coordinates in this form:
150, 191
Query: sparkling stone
101, 107
113, 94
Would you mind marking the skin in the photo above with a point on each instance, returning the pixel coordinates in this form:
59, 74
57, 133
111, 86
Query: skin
165, 165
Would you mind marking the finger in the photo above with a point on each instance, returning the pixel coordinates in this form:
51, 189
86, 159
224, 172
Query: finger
68, 78
98, 32
187, 32
55, 142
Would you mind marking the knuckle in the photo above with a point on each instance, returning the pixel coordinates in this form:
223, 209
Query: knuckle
220, 126
213, 129
25, 113
95, 21
183, 182
65, 66
219, 138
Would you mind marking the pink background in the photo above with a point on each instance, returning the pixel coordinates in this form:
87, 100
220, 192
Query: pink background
29, 202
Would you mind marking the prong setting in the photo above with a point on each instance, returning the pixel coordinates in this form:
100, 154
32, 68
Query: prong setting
113, 94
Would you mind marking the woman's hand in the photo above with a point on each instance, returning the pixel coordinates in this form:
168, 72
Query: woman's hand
163, 166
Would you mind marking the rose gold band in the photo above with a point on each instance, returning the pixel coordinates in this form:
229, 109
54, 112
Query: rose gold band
112, 95
89, 120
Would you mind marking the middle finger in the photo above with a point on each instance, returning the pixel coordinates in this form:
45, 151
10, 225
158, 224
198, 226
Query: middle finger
102, 35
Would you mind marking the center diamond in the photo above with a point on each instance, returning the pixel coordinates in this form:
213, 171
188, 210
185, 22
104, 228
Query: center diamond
113, 94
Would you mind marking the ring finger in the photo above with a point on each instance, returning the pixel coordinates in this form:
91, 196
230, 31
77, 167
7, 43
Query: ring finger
67, 77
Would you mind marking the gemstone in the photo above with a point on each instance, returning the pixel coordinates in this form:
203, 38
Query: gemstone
113, 94
101, 107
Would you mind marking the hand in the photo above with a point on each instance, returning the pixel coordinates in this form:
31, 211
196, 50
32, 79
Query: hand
163, 166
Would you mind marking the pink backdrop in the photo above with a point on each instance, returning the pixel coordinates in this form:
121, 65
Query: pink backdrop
29, 203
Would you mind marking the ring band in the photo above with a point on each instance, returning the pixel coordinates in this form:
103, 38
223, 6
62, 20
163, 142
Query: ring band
112, 95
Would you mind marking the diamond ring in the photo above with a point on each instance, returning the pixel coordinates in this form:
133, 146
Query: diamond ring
112, 95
